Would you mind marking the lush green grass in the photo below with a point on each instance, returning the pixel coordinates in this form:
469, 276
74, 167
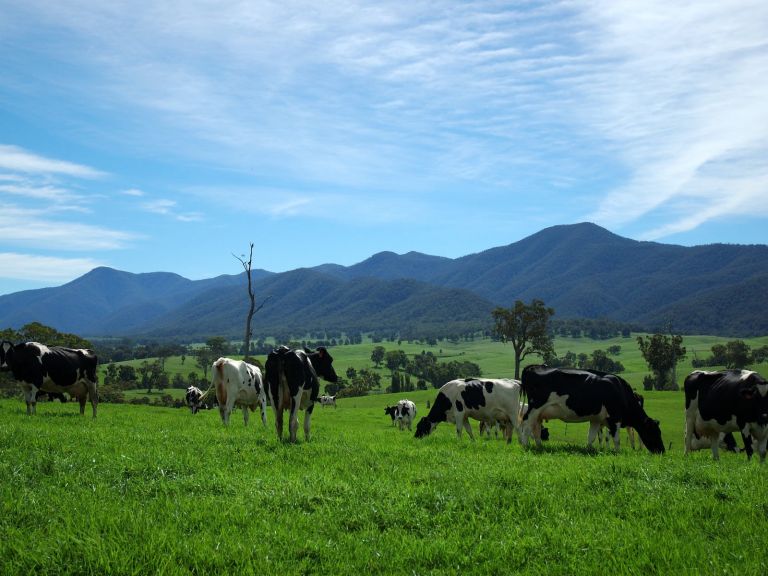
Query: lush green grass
495, 359
145, 490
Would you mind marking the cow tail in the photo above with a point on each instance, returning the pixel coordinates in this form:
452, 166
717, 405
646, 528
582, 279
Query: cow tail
218, 367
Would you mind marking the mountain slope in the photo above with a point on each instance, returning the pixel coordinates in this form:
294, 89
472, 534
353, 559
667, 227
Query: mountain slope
581, 270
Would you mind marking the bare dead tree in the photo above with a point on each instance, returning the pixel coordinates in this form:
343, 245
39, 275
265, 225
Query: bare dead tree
252, 309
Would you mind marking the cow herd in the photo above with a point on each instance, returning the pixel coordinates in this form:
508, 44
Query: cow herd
717, 404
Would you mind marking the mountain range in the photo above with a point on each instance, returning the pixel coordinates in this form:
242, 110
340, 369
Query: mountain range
580, 270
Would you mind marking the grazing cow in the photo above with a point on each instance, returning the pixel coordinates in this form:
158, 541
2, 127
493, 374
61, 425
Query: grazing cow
574, 395
328, 401
238, 383
726, 401
405, 412
483, 399
392, 411
51, 369
194, 398
292, 377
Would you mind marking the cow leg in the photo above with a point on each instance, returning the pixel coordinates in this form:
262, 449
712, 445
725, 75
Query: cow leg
631, 437
245, 414
279, 423
468, 428
263, 406
307, 420
293, 419
690, 431
616, 438
715, 444
594, 428
93, 395
30, 396
82, 400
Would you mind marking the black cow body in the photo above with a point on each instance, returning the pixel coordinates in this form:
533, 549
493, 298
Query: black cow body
51, 369
585, 396
726, 401
292, 384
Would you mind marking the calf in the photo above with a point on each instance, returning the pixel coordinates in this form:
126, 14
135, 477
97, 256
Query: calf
194, 399
405, 412
328, 401
238, 383
585, 396
292, 377
51, 369
483, 399
726, 401
392, 412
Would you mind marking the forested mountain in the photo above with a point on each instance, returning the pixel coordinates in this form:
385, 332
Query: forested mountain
580, 270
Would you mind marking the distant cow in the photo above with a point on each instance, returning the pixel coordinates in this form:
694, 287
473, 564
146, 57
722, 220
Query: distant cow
292, 377
392, 412
726, 401
483, 399
51, 369
238, 383
328, 401
194, 398
405, 413
590, 396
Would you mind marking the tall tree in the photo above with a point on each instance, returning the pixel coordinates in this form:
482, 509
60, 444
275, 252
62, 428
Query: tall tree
526, 327
662, 353
252, 308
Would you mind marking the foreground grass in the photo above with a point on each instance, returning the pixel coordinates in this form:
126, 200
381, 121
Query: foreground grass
153, 490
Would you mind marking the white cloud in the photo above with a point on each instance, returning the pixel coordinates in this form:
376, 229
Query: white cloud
133, 192
18, 160
29, 227
43, 268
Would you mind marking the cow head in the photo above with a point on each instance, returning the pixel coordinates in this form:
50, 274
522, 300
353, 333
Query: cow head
322, 362
424, 427
6, 355
391, 410
650, 433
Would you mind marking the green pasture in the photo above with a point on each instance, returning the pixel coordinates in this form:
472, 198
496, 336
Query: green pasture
149, 490
496, 360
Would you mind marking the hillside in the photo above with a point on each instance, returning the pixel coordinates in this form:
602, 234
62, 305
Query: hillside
581, 270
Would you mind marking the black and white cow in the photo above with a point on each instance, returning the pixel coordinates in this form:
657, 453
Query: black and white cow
51, 369
405, 413
484, 399
238, 383
328, 401
194, 399
292, 378
574, 395
392, 412
726, 401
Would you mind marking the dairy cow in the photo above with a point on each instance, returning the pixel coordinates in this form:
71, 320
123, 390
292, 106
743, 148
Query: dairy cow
726, 401
194, 398
52, 369
405, 413
292, 378
590, 396
238, 383
484, 399
328, 401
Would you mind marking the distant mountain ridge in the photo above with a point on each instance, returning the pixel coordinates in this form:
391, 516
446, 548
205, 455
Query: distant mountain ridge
581, 270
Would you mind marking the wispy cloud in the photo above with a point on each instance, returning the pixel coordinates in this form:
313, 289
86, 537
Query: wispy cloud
16, 159
43, 268
168, 207
35, 228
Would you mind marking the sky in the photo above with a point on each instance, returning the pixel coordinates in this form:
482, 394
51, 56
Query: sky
170, 135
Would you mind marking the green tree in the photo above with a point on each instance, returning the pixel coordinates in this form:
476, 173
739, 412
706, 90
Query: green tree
738, 354
662, 353
377, 356
526, 327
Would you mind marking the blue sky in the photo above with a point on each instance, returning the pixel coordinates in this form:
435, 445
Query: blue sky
167, 136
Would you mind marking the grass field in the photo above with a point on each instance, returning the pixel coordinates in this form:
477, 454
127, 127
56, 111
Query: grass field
495, 359
146, 490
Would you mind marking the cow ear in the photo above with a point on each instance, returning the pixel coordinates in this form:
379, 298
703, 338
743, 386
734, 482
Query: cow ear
321, 352
747, 393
